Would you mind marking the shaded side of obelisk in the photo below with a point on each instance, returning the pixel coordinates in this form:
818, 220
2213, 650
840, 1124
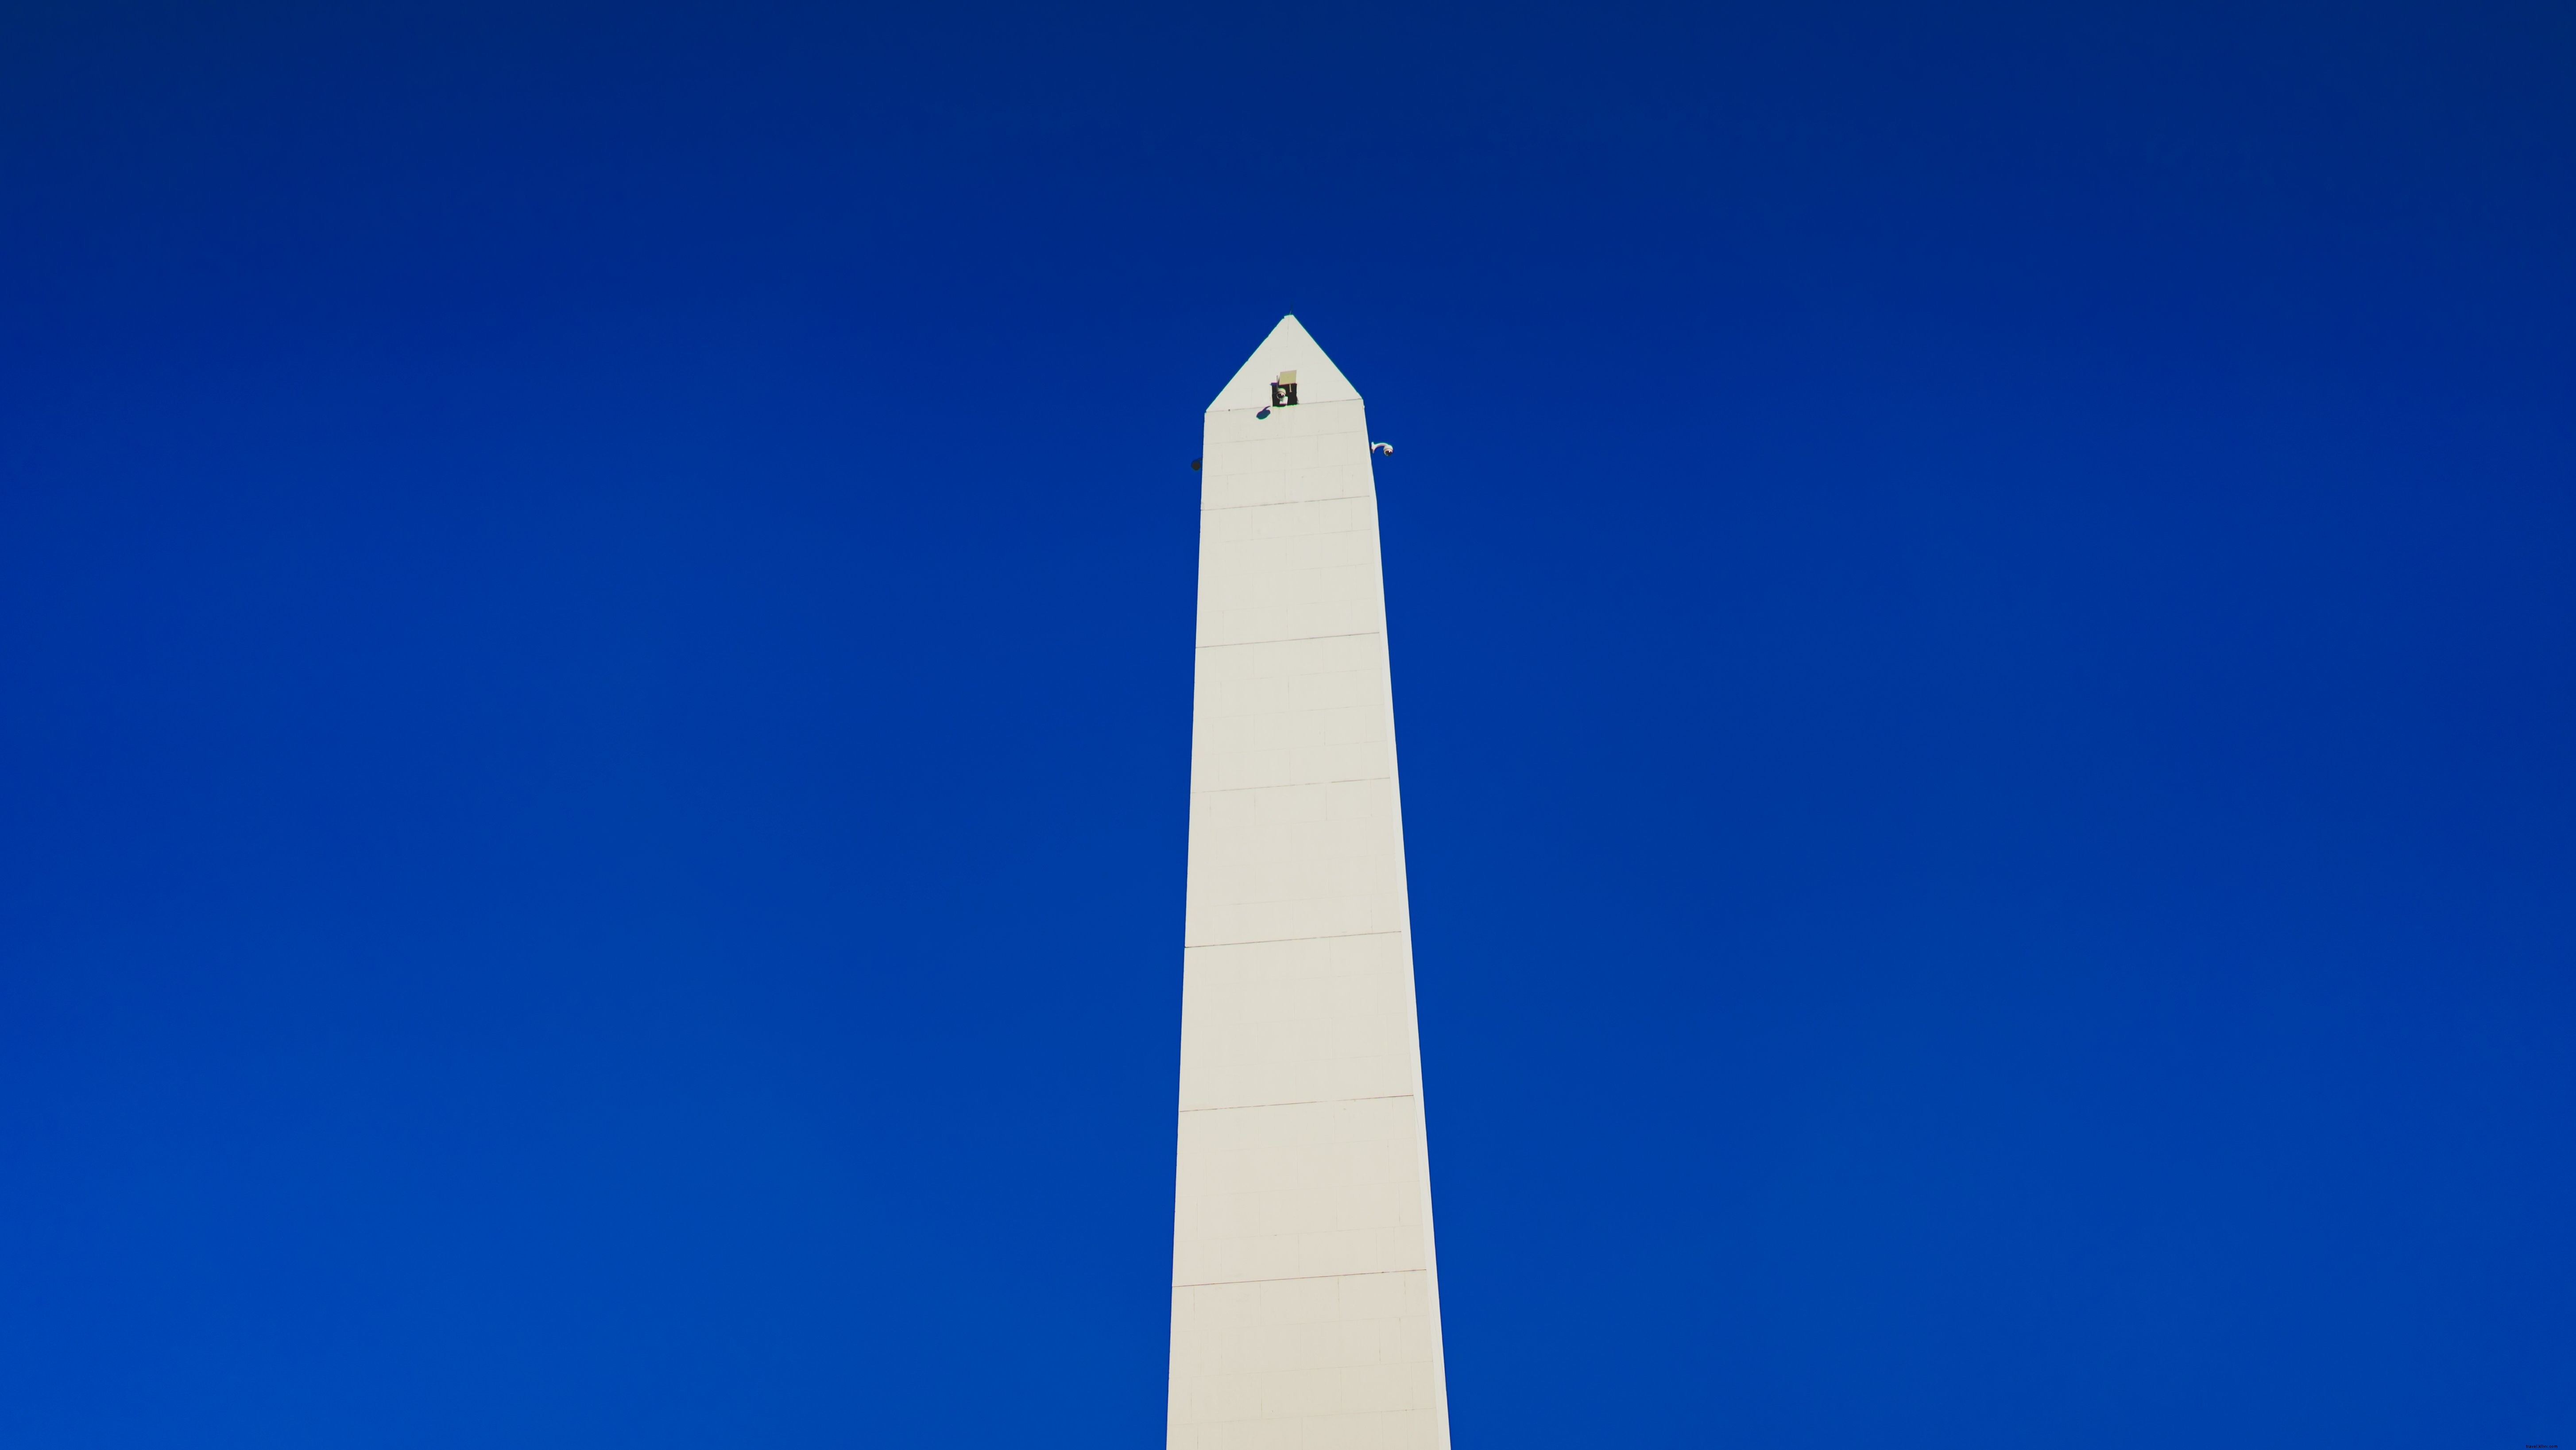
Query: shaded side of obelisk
1305, 1298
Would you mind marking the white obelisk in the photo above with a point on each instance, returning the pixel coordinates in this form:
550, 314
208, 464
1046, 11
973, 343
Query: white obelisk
1305, 1305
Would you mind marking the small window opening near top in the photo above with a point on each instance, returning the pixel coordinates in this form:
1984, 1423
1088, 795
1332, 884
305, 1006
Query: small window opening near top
1283, 393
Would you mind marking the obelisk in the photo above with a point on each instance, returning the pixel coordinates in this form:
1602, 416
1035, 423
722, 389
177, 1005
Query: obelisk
1305, 1302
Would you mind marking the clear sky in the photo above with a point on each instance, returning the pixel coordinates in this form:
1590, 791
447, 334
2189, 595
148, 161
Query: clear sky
595, 620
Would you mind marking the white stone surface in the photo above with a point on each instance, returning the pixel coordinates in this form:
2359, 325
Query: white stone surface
1305, 1298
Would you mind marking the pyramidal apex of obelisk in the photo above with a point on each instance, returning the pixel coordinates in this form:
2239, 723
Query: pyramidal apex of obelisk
1305, 1293
1289, 348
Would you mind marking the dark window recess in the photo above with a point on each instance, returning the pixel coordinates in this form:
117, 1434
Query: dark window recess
1283, 393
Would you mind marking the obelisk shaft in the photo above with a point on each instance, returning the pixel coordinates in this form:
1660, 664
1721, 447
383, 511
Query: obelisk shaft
1305, 1300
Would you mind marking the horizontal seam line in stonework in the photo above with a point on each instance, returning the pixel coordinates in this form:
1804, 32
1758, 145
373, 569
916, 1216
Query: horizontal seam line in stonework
1309, 403
1286, 503
1294, 1278
1292, 639
1258, 713
1274, 538
1295, 715
1300, 1103
1292, 785
1263, 941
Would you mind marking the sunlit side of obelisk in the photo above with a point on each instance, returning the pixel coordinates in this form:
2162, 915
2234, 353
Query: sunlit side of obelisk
1305, 1302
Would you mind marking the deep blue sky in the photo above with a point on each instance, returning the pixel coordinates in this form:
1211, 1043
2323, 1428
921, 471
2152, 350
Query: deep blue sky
595, 616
